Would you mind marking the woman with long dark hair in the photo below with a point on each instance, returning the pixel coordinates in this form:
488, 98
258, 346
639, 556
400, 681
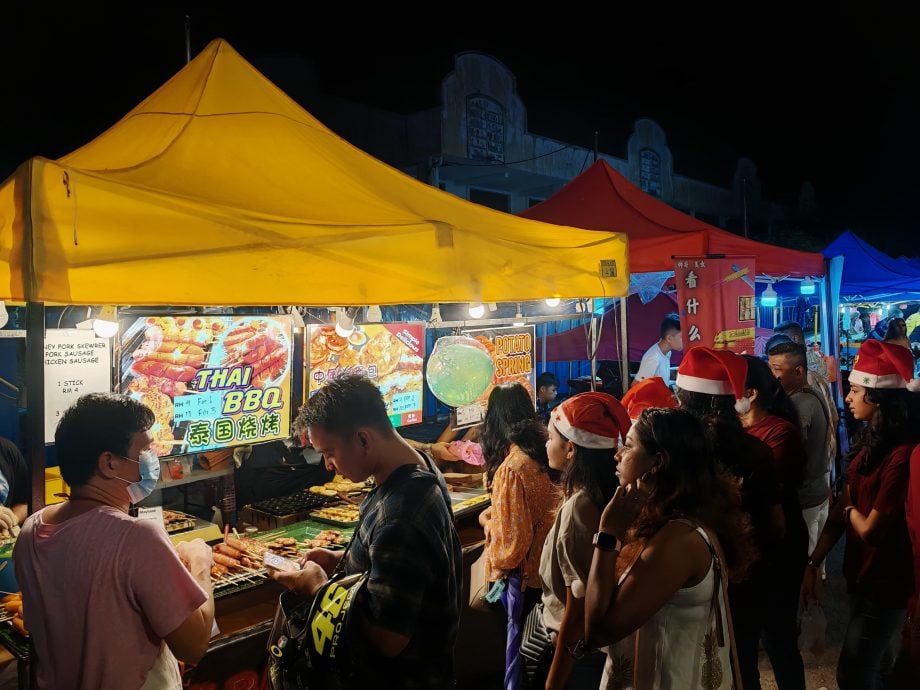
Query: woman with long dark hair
773, 419
524, 502
666, 542
583, 436
711, 385
877, 561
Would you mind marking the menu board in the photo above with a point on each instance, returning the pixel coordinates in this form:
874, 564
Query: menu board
76, 363
211, 381
512, 352
390, 354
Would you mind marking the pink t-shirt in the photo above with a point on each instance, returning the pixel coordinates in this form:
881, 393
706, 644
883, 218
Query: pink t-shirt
100, 592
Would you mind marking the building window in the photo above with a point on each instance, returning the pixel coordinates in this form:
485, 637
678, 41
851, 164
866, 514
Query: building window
485, 129
496, 200
650, 172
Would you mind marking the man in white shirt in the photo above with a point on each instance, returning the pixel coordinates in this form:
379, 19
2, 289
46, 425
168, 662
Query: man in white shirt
657, 359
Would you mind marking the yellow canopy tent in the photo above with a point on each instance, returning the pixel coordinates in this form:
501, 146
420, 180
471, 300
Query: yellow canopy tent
220, 190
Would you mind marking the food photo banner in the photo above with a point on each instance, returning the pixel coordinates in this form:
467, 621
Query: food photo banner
511, 350
392, 355
716, 300
212, 382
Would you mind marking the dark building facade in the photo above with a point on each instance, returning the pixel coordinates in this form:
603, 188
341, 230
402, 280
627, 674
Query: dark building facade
476, 144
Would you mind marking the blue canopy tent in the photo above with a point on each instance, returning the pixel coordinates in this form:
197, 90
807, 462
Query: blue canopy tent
870, 275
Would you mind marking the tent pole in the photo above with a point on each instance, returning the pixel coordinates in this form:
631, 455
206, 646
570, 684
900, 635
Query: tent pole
624, 347
35, 400
543, 353
593, 353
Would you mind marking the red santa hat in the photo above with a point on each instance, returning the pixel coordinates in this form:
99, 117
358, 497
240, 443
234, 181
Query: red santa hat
591, 420
648, 393
715, 372
884, 365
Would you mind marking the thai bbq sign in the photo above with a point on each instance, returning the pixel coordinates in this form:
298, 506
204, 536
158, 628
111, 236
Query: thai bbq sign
211, 381
716, 300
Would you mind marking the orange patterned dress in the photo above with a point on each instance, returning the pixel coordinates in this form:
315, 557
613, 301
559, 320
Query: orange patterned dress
524, 504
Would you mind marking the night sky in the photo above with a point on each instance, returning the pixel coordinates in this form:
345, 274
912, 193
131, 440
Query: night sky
827, 98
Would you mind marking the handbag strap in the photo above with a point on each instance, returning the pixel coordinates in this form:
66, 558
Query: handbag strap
720, 590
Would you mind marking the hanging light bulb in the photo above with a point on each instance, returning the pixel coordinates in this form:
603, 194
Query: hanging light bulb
477, 310
297, 319
106, 324
807, 286
435, 314
519, 317
553, 302
4, 314
769, 296
374, 314
345, 321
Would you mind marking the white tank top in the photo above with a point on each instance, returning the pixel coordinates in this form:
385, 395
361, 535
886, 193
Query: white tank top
677, 647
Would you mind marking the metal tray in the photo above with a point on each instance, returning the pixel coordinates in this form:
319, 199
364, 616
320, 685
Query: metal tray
330, 521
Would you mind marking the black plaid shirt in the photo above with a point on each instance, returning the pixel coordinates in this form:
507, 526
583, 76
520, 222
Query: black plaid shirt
408, 543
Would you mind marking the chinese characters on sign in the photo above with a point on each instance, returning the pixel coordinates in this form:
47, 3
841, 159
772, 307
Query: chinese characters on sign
211, 382
716, 298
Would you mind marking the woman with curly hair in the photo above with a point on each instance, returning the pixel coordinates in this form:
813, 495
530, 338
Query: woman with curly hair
524, 502
677, 517
877, 560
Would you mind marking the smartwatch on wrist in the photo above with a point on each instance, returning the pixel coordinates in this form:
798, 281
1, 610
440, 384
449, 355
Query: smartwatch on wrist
604, 541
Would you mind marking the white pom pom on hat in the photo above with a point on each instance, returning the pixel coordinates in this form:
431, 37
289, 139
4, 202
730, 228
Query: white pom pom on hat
715, 372
884, 365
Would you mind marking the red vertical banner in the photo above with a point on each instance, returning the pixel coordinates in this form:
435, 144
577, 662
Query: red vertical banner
716, 300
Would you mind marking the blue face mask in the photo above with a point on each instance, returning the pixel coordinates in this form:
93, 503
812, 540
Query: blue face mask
150, 475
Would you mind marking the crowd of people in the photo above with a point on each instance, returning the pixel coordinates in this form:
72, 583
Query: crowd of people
714, 536
656, 541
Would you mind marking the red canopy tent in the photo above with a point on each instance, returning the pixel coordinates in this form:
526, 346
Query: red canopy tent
572, 345
602, 199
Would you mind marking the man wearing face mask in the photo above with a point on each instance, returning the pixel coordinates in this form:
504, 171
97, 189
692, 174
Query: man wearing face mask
109, 602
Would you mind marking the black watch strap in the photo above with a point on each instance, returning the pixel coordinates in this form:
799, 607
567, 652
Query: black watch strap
604, 541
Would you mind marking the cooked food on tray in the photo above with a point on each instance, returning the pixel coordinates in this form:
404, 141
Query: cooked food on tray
345, 514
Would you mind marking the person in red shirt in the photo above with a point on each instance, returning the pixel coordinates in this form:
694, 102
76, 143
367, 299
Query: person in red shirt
711, 386
912, 509
773, 419
878, 563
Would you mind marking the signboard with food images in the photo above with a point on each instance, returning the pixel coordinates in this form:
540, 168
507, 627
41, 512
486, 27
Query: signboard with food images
390, 354
211, 381
513, 356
